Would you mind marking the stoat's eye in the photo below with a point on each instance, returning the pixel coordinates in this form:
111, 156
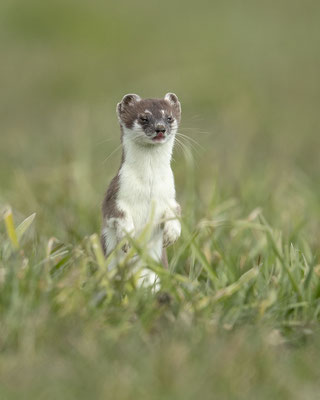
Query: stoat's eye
143, 118
169, 118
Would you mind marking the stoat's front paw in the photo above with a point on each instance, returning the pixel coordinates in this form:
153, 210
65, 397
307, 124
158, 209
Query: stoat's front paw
123, 227
126, 247
171, 232
121, 234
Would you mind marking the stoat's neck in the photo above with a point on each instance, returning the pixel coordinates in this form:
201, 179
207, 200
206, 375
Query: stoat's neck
145, 176
137, 156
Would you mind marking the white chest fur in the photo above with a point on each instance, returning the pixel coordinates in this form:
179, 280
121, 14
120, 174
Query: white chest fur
146, 183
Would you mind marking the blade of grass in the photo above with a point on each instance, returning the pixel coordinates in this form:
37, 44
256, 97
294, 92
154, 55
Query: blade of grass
275, 249
236, 286
11, 231
24, 226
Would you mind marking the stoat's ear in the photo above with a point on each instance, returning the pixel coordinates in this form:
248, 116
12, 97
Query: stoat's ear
128, 100
174, 102
172, 99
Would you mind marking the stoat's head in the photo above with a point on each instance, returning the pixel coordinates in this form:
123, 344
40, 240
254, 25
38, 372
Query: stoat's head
149, 121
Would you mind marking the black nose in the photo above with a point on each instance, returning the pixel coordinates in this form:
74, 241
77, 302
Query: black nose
160, 128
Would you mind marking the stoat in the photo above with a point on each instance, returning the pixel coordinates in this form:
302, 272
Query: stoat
143, 191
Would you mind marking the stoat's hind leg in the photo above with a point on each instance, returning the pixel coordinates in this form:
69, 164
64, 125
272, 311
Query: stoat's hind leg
147, 277
164, 258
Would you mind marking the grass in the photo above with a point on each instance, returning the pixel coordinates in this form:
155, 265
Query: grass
238, 313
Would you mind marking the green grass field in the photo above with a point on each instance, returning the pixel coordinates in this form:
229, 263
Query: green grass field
238, 313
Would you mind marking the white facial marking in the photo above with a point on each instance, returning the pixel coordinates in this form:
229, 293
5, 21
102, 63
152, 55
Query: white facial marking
135, 126
147, 112
162, 112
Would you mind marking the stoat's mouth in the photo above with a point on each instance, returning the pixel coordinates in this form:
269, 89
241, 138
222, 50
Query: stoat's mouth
160, 136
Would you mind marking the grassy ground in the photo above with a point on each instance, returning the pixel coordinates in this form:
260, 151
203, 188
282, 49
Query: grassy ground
238, 313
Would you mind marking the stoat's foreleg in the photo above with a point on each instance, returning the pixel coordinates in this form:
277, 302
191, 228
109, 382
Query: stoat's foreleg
122, 226
171, 226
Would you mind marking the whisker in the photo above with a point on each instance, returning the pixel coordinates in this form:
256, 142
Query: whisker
112, 153
137, 137
196, 130
181, 146
189, 138
191, 144
104, 140
187, 152
99, 143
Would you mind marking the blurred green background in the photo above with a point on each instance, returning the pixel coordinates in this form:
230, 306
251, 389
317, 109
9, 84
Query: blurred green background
247, 75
